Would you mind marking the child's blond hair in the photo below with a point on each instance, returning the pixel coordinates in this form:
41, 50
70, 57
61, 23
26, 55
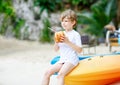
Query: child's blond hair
70, 14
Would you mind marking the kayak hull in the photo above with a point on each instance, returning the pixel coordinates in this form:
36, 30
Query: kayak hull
97, 70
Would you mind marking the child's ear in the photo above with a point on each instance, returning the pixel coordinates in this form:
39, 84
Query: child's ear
73, 23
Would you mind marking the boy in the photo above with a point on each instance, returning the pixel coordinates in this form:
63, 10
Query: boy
69, 47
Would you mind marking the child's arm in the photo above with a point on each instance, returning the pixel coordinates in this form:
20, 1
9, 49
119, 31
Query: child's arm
75, 47
56, 47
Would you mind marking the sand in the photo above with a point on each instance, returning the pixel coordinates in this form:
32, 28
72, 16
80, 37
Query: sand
24, 62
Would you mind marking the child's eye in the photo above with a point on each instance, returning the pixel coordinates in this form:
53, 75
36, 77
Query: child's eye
66, 21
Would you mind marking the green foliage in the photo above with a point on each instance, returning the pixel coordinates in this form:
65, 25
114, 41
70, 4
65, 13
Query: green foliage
55, 5
85, 2
102, 13
10, 18
6, 8
48, 5
15, 23
6, 22
2, 29
45, 35
19, 23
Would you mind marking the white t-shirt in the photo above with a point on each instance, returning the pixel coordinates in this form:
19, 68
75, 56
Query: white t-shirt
66, 52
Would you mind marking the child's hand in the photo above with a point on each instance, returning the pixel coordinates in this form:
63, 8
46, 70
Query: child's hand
64, 39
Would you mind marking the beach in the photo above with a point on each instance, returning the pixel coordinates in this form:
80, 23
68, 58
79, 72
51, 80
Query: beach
24, 62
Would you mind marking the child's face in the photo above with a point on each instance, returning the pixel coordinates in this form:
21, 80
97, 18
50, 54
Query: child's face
67, 24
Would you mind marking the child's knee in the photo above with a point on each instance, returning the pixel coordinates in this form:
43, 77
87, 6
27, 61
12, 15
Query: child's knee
48, 73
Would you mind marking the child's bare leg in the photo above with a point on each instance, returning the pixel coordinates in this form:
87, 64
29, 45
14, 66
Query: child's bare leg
66, 68
51, 70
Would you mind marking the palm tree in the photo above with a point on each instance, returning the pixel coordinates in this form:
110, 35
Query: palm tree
102, 13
